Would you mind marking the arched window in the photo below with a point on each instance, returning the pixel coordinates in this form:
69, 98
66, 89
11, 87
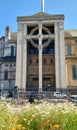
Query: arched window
68, 49
74, 71
6, 75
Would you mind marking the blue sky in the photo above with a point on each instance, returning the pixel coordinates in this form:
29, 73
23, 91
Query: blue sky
10, 9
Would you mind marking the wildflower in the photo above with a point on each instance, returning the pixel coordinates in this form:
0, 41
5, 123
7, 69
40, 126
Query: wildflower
19, 126
46, 123
25, 119
73, 120
13, 128
57, 126
16, 119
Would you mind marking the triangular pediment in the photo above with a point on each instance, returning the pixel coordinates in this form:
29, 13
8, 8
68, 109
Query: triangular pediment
41, 14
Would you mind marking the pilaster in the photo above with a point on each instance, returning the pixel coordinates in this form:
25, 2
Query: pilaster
24, 59
62, 56
19, 58
57, 57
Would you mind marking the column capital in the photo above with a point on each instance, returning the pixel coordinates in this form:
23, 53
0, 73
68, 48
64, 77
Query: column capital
56, 27
25, 29
61, 26
56, 23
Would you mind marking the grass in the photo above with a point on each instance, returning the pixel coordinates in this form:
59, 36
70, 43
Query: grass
45, 116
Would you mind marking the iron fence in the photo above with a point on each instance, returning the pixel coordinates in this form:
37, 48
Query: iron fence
23, 93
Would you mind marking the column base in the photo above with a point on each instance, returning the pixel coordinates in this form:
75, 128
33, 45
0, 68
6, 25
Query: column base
40, 90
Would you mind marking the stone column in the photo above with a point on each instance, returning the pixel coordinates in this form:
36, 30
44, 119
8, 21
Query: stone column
19, 57
60, 66
40, 57
57, 57
62, 56
24, 58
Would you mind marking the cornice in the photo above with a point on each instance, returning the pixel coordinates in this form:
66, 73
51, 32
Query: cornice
40, 16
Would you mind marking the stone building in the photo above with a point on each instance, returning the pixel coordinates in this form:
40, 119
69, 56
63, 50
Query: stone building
71, 58
46, 56
8, 59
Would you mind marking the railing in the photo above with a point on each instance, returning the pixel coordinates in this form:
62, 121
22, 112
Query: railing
23, 93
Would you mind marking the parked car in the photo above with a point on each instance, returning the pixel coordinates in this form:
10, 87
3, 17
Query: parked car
73, 98
59, 95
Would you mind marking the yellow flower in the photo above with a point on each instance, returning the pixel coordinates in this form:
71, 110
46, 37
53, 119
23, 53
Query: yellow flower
16, 119
25, 119
20, 126
13, 128
46, 123
57, 126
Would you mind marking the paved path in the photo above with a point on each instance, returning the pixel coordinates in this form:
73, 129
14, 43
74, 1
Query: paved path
22, 101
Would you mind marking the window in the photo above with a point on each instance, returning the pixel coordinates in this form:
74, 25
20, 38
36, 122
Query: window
12, 50
37, 61
44, 61
49, 49
46, 78
74, 71
14, 65
35, 79
10, 65
68, 49
32, 49
6, 64
30, 61
6, 75
51, 60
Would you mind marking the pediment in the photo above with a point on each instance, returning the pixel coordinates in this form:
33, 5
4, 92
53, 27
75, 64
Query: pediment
41, 14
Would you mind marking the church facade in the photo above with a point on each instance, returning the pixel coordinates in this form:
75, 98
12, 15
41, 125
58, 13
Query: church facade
46, 54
